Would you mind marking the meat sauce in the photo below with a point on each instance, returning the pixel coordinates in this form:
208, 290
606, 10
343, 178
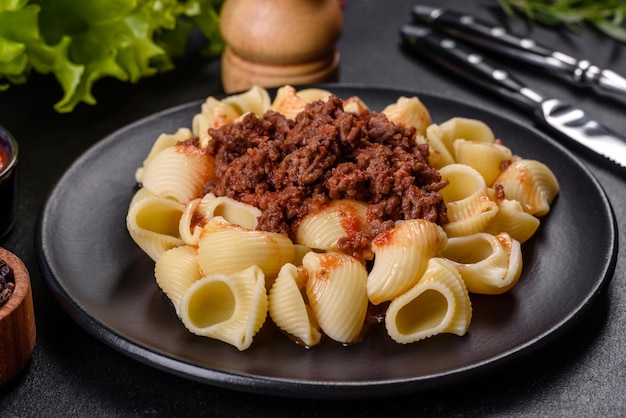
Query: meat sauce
289, 169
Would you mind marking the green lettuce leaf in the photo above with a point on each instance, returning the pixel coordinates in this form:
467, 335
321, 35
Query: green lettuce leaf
80, 42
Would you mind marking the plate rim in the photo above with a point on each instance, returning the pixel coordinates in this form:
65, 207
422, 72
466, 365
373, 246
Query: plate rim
315, 389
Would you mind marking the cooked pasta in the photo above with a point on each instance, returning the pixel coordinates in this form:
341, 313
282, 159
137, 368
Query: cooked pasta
324, 229
485, 157
465, 128
512, 219
336, 290
178, 172
162, 142
469, 207
409, 110
489, 264
290, 103
227, 307
152, 222
227, 261
438, 303
440, 156
531, 183
227, 248
401, 257
175, 271
288, 309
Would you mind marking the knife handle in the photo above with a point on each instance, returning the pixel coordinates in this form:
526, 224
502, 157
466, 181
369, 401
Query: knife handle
469, 64
496, 39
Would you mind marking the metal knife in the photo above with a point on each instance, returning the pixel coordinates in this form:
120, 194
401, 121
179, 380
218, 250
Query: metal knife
496, 39
569, 122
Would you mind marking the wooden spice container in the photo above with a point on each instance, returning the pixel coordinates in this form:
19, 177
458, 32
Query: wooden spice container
17, 321
271, 43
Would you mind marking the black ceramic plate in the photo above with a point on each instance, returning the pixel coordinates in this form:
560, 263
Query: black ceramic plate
106, 283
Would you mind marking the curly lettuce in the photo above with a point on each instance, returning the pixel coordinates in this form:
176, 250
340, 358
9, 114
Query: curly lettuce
80, 42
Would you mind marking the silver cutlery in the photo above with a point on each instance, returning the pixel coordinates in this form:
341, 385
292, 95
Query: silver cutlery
496, 39
571, 123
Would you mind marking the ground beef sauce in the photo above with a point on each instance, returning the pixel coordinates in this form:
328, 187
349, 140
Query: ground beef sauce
289, 169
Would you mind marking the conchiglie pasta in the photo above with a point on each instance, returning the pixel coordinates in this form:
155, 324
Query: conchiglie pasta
175, 271
152, 222
290, 102
411, 111
512, 219
336, 289
200, 211
179, 172
288, 309
227, 248
255, 100
401, 257
440, 156
530, 182
341, 219
162, 142
213, 114
231, 210
489, 264
439, 303
465, 128
469, 207
354, 105
191, 225
485, 157
228, 307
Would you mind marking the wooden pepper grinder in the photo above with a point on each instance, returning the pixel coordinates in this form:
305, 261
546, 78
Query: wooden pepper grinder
271, 43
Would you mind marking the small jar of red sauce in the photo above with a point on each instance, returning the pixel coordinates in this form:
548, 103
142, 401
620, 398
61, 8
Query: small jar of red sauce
8, 182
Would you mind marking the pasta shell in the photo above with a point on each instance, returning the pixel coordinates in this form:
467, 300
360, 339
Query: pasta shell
438, 303
228, 307
228, 248
190, 225
468, 204
489, 264
289, 102
439, 156
354, 105
231, 210
465, 128
152, 223
484, 157
288, 309
341, 219
401, 257
213, 114
530, 182
255, 100
162, 142
179, 172
336, 289
140, 194
411, 111
512, 219
175, 271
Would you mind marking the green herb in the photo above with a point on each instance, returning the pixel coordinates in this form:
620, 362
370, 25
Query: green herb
79, 42
605, 15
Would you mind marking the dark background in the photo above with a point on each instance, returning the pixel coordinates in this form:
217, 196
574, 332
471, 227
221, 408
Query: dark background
73, 374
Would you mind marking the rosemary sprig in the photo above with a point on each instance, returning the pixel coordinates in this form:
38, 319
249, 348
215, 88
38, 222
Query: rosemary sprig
607, 16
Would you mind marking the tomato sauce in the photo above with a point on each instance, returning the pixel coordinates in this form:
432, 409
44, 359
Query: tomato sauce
4, 160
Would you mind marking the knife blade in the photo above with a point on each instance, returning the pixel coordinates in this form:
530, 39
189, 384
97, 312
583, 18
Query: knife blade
573, 125
496, 39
